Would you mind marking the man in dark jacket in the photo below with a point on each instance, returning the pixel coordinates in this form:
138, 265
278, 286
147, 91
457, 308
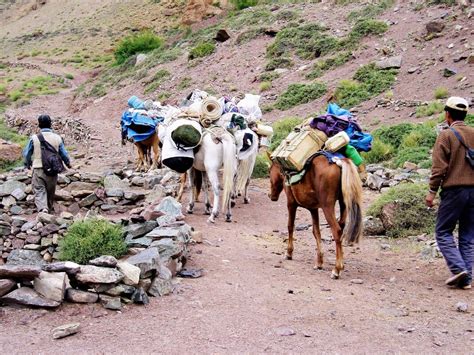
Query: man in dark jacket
44, 186
452, 173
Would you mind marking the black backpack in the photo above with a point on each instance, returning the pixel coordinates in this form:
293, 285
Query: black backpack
469, 151
52, 162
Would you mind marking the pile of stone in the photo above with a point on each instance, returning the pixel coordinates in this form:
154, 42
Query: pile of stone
380, 178
157, 253
77, 196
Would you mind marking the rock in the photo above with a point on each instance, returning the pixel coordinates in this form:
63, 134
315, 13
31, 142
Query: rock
145, 284
161, 285
375, 182
22, 272
138, 230
462, 307
6, 285
11, 185
148, 261
281, 70
114, 193
114, 182
164, 232
79, 185
62, 266
389, 63
448, 72
112, 303
46, 218
151, 181
413, 70
388, 214
9, 152
222, 36
98, 275
190, 273
150, 214
16, 210
88, 201
28, 297
143, 242
470, 58
18, 194
410, 166
434, 27
51, 285
121, 290
168, 248
81, 193
357, 281
141, 58
284, 331
373, 226
104, 260
133, 196
66, 330
63, 195
170, 207
131, 273
197, 236
49, 229
140, 297
4, 230
8, 201
25, 257
79, 296
138, 181
28, 225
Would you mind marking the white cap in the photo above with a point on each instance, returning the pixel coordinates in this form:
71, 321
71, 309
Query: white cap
457, 103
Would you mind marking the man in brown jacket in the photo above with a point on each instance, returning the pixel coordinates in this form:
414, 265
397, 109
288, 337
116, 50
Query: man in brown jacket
44, 185
452, 172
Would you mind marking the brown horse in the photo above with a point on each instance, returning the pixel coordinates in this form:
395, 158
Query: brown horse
321, 187
144, 153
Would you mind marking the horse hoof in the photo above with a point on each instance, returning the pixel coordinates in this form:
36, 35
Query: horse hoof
317, 267
232, 204
211, 219
228, 218
334, 275
189, 211
246, 201
289, 257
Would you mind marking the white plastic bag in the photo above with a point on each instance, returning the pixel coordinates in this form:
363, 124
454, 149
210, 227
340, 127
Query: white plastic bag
249, 106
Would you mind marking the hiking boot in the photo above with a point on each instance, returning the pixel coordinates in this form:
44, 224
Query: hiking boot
466, 284
457, 279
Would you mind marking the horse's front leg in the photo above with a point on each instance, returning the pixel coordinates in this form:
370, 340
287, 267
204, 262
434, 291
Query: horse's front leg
191, 188
291, 229
182, 183
233, 196
337, 235
317, 236
246, 192
214, 182
156, 156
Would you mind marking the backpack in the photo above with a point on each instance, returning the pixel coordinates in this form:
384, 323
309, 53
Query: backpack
331, 125
469, 151
52, 162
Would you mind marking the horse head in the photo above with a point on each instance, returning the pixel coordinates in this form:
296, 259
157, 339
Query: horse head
276, 181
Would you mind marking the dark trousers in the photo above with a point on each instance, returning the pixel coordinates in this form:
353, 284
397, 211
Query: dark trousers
44, 187
457, 205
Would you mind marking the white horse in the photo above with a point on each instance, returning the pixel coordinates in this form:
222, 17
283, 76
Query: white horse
217, 150
246, 162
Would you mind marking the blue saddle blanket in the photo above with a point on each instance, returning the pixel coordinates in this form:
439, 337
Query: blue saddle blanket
137, 127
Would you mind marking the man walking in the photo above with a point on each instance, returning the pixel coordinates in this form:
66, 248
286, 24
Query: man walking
453, 172
44, 185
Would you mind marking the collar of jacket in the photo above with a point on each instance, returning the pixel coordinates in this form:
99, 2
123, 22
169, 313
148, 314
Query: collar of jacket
458, 123
46, 130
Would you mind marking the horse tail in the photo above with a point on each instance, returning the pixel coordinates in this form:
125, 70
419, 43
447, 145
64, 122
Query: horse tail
230, 162
352, 193
197, 183
245, 167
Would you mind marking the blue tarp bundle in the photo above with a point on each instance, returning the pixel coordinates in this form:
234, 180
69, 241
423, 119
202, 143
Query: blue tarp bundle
137, 127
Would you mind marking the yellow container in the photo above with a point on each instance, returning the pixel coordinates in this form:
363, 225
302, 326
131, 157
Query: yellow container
264, 130
294, 151
337, 142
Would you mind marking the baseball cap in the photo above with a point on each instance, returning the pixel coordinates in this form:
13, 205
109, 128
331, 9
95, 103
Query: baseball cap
457, 103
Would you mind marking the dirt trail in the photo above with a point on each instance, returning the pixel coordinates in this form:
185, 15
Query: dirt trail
249, 294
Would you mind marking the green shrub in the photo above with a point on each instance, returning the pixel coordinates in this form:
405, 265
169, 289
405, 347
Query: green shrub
282, 128
243, 4
158, 79
185, 83
367, 27
281, 62
297, 94
3, 89
469, 120
268, 76
265, 86
441, 93
411, 216
8, 134
393, 135
15, 95
98, 90
90, 238
414, 155
350, 93
201, 50
141, 43
421, 136
370, 11
430, 109
250, 34
328, 64
380, 152
262, 167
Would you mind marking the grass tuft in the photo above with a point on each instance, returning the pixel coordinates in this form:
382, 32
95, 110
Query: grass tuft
297, 94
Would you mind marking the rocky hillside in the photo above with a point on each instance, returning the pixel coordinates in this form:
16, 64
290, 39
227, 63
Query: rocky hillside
381, 59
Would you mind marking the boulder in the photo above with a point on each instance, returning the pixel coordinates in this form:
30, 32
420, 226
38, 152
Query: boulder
18, 194
114, 182
28, 297
112, 303
11, 185
222, 36
46, 218
66, 330
131, 273
389, 63
62, 266
148, 261
49, 229
161, 285
27, 226
88, 201
8, 201
140, 229
98, 275
375, 182
373, 226
9, 152
51, 285
63, 195
121, 290
79, 185
22, 272
141, 58
140, 297
79, 296
143, 242
434, 27
133, 196
388, 214
164, 232
104, 260
25, 257
168, 248
170, 206
114, 192
4, 230
151, 181
6, 285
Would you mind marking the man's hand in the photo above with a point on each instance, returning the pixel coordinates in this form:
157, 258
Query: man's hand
429, 199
